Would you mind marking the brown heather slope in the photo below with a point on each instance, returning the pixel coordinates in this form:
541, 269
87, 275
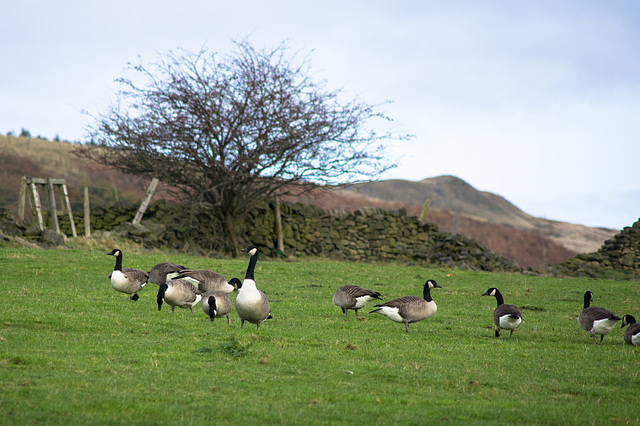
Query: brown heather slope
21, 156
456, 206
488, 217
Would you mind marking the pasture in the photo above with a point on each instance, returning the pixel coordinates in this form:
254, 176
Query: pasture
74, 351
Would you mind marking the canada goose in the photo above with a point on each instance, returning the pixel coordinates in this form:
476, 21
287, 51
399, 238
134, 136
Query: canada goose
410, 309
216, 304
353, 297
158, 274
504, 316
631, 334
206, 280
251, 304
180, 293
596, 320
127, 280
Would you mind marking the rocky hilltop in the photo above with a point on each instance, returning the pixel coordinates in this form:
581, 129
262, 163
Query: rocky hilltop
457, 196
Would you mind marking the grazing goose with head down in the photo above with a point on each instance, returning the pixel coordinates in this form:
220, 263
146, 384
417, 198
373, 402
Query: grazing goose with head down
216, 304
353, 297
127, 280
410, 309
252, 304
180, 293
631, 334
506, 317
595, 320
158, 274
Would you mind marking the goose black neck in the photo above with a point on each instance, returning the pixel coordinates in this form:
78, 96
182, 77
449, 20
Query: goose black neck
251, 267
587, 300
212, 307
161, 291
499, 297
118, 266
426, 293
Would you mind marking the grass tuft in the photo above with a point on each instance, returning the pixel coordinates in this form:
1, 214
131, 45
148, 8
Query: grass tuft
234, 348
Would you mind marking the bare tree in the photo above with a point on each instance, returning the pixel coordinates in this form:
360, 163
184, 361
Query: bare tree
230, 130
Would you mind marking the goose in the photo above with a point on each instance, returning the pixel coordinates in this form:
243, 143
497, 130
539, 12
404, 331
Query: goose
410, 309
127, 280
206, 280
596, 320
216, 304
506, 317
158, 274
631, 334
180, 293
251, 304
353, 297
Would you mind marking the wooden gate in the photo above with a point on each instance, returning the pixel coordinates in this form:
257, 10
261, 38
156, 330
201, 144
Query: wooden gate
29, 187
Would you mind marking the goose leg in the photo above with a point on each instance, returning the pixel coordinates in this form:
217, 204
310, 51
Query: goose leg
406, 326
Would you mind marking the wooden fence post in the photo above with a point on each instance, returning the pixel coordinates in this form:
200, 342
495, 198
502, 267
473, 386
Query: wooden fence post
52, 204
279, 226
22, 199
87, 213
37, 206
145, 202
67, 203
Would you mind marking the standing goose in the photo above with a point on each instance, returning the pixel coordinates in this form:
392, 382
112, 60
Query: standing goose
127, 280
631, 334
206, 280
410, 309
158, 274
353, 297
180, 293
216, 304
595, 320
504, 316
251, 304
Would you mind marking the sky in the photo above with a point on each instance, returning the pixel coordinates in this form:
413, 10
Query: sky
536, 101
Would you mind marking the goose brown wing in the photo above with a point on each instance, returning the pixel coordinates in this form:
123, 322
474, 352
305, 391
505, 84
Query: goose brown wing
136, 274
595, 313
357, 291
401, 301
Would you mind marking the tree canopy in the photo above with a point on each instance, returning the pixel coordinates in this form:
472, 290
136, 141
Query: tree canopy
231, 130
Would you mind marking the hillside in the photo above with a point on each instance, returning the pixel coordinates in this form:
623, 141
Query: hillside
34, 157
457, 196
456, 206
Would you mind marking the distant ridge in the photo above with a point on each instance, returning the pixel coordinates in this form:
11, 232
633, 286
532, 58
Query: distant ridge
457, 196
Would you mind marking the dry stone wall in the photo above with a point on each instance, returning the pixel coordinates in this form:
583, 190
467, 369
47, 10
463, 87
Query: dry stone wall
619, 254
368, 234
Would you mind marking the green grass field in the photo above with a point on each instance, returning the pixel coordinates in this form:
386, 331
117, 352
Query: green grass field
74, 351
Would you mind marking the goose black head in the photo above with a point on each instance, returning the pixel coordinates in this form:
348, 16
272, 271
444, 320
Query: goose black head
628, 319
161, 291
491, 292
252, 249
236, 283
114, 252
433, 284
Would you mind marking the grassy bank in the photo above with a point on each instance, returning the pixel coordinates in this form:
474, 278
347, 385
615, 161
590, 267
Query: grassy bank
74, 351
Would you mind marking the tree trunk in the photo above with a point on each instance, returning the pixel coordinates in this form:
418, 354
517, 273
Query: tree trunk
230, 237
